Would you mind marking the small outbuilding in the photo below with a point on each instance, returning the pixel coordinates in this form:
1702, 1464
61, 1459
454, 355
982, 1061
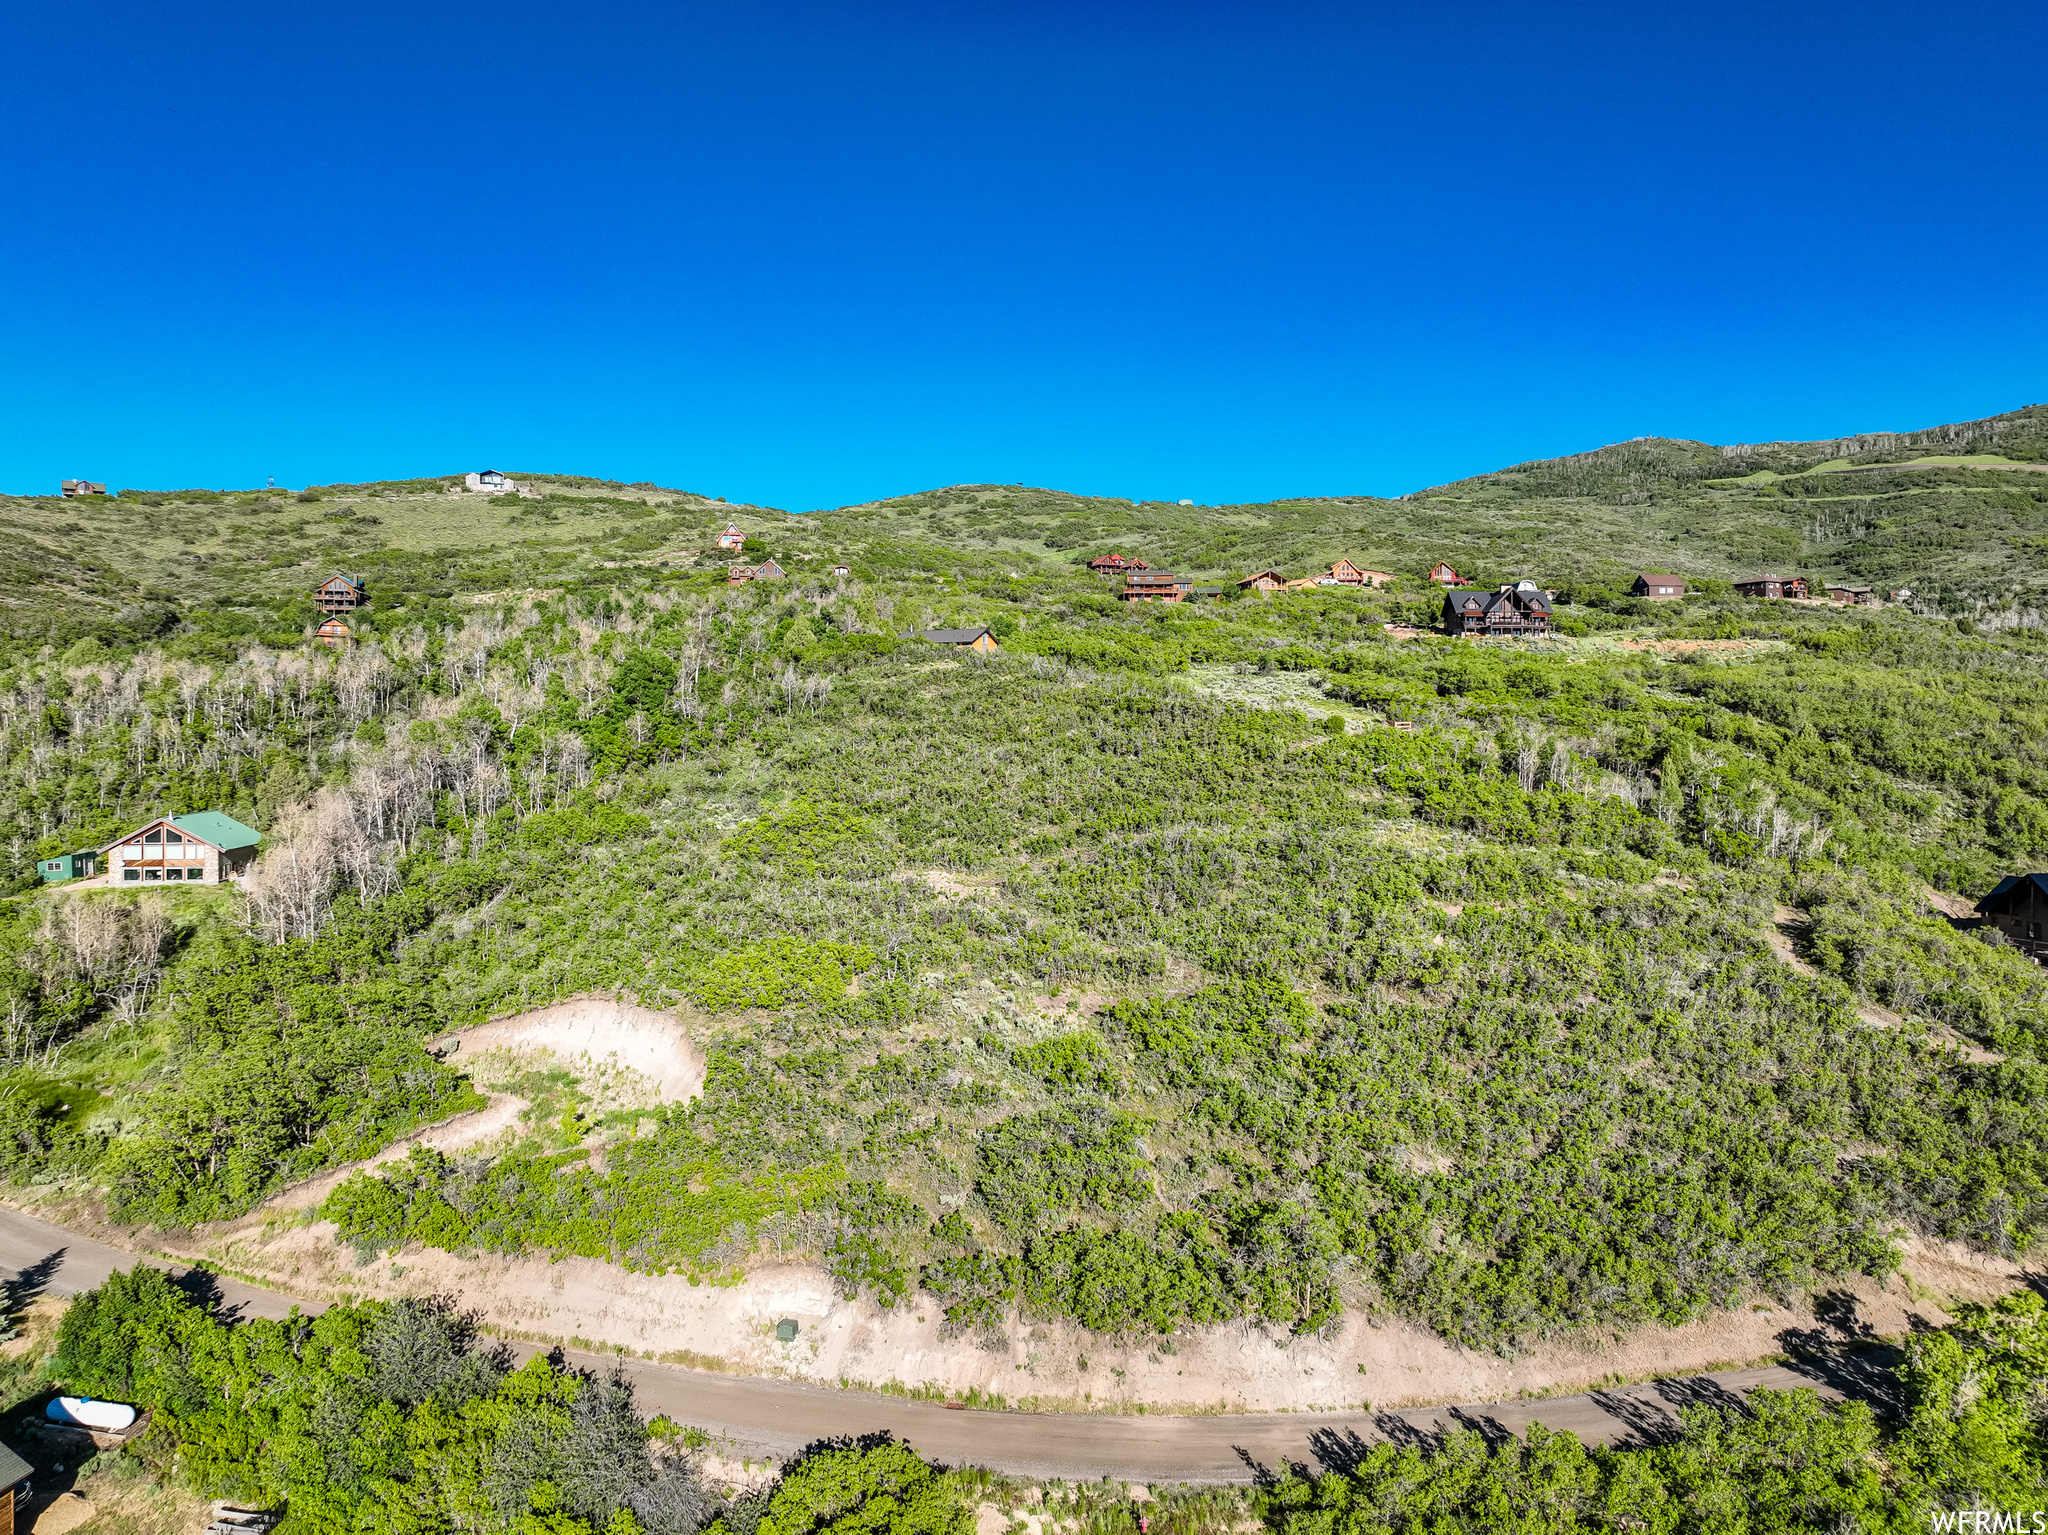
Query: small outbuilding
14, 1487
2018, 907
980, 639
1658, 585
842, 570
79, 865
205, 847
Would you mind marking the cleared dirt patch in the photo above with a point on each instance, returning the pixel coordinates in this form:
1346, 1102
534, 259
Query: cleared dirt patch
597, 1039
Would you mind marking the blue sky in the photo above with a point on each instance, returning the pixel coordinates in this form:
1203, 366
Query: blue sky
804, 255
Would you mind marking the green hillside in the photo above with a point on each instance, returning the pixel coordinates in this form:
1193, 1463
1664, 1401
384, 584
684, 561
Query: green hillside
1141, 975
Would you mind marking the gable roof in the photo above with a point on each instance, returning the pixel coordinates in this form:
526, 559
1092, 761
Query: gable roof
953, 636
1660, 575
1265, 575
345, 578
2005, 887
12, 1467
223, 831
208, 826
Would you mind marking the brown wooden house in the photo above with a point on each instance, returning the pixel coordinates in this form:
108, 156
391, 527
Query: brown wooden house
1157, 586
1443, 575
732, 537
336, 633
2018, 907
1263, 581
1116, 564
1657, 585
1861, 596
341, 593
1773, 587
1517, 611
70, 488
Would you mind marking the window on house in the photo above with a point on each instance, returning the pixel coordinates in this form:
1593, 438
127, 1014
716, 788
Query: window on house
154, 834
131, 874
152, 873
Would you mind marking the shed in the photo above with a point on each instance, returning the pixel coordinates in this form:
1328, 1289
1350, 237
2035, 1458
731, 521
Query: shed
2018, 907
14, 1475
79, 865
980, 639
205, 847
1658, 585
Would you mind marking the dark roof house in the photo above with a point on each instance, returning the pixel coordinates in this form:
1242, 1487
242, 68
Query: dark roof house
1659, 585
2018, 907
1516, 611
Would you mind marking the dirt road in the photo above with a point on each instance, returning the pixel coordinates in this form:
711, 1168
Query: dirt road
772, 1417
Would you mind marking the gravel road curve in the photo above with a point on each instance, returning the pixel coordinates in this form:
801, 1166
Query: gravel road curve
756, 1416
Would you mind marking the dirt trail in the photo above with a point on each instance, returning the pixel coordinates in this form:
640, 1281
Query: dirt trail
626, 1056
1787, 919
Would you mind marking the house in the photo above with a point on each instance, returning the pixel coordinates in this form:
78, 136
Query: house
2018, 907
767, 570
341, 593
1658, 585
70, 488
731, 538
14, 1488
205, 846
1443, 575
1207, 591
1517, 611
335, 633
980, 639
1349, 574
65, 866
1855, 594
1156, 586
1306, 584
486, 480
1263, 581
842, 570
1772, 586
1116, 564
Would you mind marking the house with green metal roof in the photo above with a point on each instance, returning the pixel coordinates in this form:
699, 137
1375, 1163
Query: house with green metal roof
204, 847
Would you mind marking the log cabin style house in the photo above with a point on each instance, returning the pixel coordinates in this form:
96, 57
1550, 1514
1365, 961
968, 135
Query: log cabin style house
1157, 586
1348, 574
767, 570
203, 848
2018, 907
340, 593
1517, 611
1774, 587
1657, 585
1263, 581
70, 489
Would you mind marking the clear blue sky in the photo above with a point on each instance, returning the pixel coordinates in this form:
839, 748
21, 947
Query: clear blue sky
807, 254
